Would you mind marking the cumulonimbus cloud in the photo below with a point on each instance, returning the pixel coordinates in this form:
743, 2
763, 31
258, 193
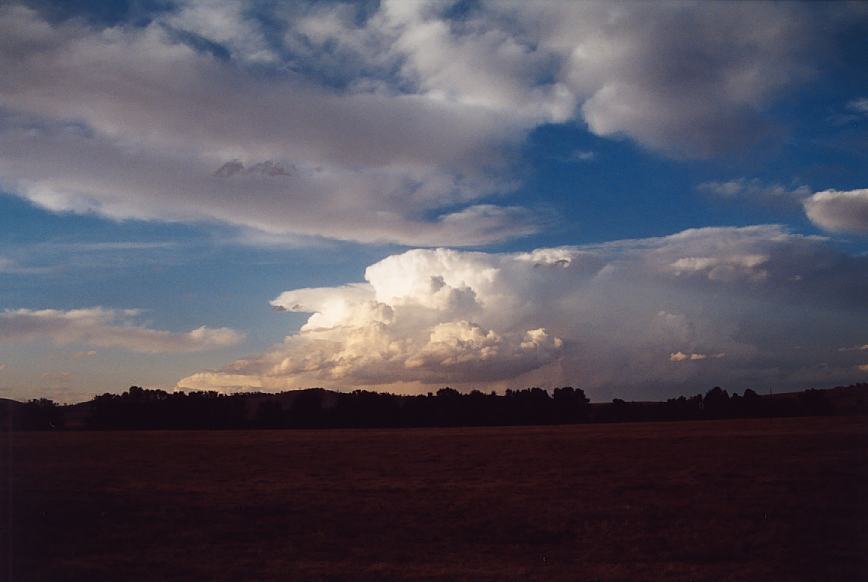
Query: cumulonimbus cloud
623, 315
391, 125
107, 328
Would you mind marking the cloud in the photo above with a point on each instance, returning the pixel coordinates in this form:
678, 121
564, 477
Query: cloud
2, 367
583, 156
608, 316
863, 348
839, 211
225, 23
723, 268
854, 111
107, 328
754, 190
83, 355
149, 128
682, 357
859, 105
684, 81
389, 124
688, 82
8, 265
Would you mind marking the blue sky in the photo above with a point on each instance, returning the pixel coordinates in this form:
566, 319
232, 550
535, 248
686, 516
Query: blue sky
639, 199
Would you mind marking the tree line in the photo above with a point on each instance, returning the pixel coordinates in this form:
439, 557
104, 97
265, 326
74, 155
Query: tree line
140, 408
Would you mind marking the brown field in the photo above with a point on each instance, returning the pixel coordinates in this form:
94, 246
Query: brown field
782, 499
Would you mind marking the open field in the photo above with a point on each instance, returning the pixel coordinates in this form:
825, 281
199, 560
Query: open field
767, 499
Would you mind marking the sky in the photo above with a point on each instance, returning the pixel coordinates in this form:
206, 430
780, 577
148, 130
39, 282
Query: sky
638, 199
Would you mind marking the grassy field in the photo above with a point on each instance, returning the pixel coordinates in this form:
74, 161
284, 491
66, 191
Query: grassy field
782, 499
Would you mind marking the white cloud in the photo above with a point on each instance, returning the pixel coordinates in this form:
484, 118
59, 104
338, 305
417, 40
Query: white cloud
863, 348
8, 265
131, 123
224, 22
612, 315
107, 328
723, 268
682, 357
839, 211
859, 105
684, 80
583, 156
471, 353
755, 190
687, 81
392, 124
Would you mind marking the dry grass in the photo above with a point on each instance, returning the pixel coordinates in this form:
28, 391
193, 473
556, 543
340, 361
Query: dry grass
780, 499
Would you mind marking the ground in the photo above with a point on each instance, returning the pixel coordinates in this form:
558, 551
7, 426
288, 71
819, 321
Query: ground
781, 499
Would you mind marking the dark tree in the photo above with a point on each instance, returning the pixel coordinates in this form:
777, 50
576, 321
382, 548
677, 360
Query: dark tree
815, 402
41, 414
715, 404
270, 414
571, 405
307, 409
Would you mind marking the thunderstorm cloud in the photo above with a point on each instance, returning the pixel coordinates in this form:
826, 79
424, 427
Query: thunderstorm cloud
633, 314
